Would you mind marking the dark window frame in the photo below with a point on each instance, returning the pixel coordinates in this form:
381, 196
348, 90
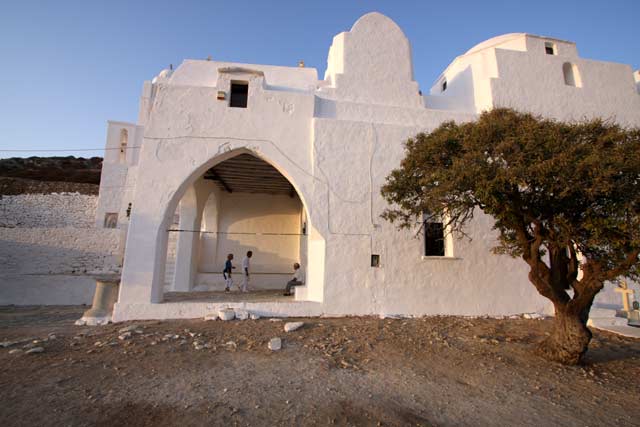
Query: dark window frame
239, 94
434, 238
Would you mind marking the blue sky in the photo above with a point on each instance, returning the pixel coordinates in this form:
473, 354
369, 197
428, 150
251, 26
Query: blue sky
69, 66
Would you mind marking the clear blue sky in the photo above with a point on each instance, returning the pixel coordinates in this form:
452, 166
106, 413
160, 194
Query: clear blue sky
68, 66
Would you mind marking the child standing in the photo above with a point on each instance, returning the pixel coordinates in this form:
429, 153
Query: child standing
226, 273
245, 269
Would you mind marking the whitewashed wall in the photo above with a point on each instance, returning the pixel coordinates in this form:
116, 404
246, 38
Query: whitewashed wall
50, 248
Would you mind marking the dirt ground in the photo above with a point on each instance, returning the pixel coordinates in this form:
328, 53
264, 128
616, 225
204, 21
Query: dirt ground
434, 371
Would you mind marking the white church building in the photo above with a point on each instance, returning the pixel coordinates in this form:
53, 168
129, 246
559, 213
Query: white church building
229, 157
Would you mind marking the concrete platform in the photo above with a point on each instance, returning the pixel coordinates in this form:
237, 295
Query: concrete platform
192, 305
605, 319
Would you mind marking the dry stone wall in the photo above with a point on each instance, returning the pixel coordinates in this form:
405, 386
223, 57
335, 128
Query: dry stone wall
50, 249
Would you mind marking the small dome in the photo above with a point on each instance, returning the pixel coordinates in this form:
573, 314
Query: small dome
163, 76
494, 41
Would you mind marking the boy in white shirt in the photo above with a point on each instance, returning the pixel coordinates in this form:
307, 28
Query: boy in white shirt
296, 279
245, 269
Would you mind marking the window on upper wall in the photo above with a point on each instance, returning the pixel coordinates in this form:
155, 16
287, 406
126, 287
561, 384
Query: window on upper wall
571, 75
124, 140
433, 232
239, 94
444, 86
550, 48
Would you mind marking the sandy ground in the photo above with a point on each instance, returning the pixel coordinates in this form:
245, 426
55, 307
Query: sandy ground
352, 371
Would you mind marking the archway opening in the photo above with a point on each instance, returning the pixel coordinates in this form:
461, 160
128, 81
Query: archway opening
238, 205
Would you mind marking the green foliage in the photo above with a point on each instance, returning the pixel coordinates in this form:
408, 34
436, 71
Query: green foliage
550, 186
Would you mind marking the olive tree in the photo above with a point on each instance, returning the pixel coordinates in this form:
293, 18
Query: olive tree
565, 198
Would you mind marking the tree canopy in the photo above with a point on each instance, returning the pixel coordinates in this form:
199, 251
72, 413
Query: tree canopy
567, 190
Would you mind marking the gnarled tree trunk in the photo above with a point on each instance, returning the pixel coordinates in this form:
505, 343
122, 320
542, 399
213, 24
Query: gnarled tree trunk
569, 338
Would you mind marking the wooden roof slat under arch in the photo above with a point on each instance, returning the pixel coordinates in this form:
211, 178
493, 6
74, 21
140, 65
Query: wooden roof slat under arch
248, 174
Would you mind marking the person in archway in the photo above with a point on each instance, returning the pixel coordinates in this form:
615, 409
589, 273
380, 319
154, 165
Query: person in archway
245, 269
296, 280
226, 273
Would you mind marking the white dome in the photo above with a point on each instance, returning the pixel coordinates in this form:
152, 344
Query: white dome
495, 41
163, 76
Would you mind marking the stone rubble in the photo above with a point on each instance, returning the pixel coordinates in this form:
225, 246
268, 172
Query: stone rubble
227, 314
275, 344
241, 314
35, 350
6, 344
293, 326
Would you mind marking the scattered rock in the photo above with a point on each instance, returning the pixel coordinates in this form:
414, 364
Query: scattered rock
15, 351
34, 350
231, 345
124, 336
390, 316
130, 328
6, 344
532, 316
254, 316
275, 344
227, 314
275, 319
241, 314
293, 326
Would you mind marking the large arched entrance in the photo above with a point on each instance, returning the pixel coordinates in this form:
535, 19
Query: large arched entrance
241, 204
175, 183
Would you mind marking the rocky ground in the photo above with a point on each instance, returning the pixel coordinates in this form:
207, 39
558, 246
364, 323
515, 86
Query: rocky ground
349, 371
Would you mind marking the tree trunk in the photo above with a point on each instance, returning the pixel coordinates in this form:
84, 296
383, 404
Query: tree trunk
570, 337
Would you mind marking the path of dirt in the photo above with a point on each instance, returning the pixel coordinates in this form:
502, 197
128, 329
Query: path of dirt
349, 371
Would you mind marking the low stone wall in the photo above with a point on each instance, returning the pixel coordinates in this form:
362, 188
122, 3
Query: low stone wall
50, 249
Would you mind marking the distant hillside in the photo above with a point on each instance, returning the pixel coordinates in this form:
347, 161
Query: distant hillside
50, 174
63, 169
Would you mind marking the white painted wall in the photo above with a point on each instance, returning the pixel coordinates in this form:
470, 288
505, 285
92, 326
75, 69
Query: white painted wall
336, 140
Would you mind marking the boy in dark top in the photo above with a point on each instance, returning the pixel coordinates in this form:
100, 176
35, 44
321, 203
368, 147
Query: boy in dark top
226, 273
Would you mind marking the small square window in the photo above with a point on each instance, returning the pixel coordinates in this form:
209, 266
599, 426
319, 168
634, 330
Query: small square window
433, 238
110, 220
550, 48
375, 260
239, 94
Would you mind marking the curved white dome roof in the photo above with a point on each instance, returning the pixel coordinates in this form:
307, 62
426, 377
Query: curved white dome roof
495, 41
162, 76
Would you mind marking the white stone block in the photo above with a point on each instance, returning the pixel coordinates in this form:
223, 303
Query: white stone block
241, 314
275, 344
293, 326
227, 314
